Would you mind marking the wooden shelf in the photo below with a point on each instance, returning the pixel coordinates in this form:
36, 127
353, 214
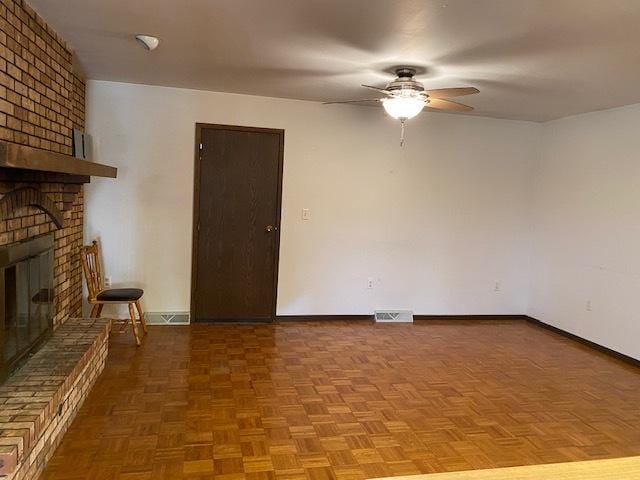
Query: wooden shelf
23, 157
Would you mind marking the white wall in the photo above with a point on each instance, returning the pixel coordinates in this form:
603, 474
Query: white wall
586, 214
466, 203
436, 223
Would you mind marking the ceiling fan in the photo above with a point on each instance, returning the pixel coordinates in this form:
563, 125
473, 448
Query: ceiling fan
405, 97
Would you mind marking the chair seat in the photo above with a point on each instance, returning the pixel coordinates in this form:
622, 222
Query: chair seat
120, 295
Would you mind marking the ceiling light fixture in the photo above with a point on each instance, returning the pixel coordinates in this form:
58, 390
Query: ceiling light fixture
404, 105
403, 108
405, 97
148, 42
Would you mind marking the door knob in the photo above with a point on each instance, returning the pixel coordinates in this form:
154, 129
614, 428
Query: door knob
269, 228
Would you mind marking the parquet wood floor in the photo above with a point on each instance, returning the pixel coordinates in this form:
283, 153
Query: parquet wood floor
348, 400
626, 468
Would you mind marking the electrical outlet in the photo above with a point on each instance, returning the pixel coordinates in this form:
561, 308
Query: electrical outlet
306, 214
588, 306
107, 282
497, 287
369, 283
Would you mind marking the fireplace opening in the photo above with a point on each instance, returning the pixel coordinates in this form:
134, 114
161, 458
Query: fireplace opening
26, 299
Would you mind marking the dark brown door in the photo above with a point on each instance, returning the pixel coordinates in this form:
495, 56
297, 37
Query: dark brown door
236, 222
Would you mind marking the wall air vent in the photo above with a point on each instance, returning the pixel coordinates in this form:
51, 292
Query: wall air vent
393, 316
167, 318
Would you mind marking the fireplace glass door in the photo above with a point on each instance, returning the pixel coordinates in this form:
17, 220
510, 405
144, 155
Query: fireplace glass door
27, 300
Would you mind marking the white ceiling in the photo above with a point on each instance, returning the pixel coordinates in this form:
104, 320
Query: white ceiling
531, 59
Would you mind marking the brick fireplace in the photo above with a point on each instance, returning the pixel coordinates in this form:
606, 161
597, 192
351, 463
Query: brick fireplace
41, 101
42, 203
41, 215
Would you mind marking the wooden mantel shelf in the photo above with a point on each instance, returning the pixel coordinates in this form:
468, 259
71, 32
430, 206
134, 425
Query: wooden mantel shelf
13, 155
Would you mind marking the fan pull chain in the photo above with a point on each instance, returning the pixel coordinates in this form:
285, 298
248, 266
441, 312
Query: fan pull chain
402, 132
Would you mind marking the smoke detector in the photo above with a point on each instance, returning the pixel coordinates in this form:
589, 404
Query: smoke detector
148, 42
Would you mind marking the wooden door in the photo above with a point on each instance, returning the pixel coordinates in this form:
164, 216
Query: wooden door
238, 185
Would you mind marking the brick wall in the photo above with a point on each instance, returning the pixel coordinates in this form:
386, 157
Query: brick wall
41, 100
41, 96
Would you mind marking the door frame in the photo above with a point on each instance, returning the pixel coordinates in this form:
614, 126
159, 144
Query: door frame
196, 209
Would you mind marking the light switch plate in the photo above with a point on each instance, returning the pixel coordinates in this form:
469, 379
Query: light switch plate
306, 214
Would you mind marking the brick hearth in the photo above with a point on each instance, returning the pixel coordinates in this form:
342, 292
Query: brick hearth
38, 403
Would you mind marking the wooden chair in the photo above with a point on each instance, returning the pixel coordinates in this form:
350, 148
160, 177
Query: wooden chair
99, 296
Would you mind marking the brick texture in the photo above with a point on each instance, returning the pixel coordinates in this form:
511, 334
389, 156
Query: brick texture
41, 96
41, 99
27, 222
39, 402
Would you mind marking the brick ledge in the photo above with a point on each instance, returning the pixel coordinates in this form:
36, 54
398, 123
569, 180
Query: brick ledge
34, 395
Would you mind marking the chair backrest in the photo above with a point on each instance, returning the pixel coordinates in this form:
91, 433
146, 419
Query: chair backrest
92, 267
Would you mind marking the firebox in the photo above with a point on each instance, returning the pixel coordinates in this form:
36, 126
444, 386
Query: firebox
26, 299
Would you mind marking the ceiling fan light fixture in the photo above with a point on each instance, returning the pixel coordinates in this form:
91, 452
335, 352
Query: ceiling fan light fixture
403, 107
406, 97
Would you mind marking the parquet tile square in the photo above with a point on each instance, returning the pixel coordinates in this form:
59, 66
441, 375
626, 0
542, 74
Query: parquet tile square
347, 401
197, 466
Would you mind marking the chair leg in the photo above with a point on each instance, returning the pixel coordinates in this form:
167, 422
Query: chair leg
132, 315
99, 312
94, 311
141, 315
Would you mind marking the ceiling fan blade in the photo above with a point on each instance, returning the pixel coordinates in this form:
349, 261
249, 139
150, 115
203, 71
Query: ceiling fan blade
451, 92
354, 101
440, 104
386, 92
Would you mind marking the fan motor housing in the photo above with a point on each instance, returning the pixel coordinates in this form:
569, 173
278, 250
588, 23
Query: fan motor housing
405, 80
